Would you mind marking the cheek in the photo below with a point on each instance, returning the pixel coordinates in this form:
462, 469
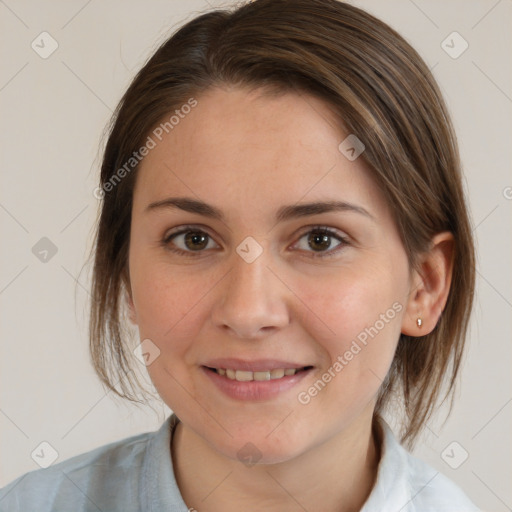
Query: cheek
167, 301
343, 304
357, 322
168, 305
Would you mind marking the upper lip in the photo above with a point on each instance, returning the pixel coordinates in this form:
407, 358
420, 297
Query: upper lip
255, 365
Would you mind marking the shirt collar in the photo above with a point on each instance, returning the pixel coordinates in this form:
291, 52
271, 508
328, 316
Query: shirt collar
391, 484
159, 487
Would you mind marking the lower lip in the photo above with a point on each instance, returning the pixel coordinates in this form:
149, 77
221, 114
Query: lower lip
255, 389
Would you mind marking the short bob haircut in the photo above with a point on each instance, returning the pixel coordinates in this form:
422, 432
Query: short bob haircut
383, 92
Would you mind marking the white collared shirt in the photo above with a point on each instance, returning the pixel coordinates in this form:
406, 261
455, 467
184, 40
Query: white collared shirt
136, 474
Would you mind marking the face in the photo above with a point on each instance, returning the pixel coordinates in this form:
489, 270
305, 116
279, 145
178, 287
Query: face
257, 282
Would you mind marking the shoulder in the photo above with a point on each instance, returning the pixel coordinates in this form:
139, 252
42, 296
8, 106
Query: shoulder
89, 481
407, 483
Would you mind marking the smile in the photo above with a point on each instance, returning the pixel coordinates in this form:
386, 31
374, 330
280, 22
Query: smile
258, 385
247, 376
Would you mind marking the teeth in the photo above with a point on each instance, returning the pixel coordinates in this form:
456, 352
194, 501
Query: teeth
277, 374
261, 375
245, 376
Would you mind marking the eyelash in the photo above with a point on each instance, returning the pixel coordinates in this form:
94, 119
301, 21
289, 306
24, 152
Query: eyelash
322, 230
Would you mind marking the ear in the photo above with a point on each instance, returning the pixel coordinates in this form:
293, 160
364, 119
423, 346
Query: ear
430, 286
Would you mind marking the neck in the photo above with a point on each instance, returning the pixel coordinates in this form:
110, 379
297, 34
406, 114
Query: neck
336, 476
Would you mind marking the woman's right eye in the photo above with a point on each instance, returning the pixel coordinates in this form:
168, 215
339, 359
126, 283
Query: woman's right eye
189, 241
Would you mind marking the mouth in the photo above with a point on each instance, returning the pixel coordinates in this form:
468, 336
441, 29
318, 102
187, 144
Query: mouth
264, 375
257, 381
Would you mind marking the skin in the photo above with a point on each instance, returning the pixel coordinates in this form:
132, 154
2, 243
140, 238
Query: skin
248, 154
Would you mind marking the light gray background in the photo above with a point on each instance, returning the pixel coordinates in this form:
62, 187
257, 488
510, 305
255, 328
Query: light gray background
53, 112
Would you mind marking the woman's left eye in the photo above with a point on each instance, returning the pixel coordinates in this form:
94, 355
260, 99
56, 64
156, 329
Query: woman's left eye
317, 240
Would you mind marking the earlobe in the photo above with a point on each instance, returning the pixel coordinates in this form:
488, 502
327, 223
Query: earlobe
430, 287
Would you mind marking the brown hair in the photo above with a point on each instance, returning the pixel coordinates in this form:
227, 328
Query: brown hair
384, 93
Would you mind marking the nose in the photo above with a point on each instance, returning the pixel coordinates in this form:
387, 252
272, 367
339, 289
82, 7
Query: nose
252, 301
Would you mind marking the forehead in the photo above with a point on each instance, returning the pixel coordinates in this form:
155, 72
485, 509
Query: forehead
247, 150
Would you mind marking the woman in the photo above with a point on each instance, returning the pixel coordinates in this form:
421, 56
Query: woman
283, 220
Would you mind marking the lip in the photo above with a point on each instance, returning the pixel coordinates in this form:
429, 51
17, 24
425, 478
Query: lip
255, 390
257, 365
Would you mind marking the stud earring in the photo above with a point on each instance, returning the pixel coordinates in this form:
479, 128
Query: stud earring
419, 322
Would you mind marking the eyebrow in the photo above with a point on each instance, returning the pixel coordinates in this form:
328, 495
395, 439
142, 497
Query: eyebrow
283, 214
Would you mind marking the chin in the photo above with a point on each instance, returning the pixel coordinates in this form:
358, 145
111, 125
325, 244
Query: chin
264, 444
260, 452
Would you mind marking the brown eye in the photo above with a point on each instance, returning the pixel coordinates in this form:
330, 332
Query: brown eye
318, 242
188, 241
196, 240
